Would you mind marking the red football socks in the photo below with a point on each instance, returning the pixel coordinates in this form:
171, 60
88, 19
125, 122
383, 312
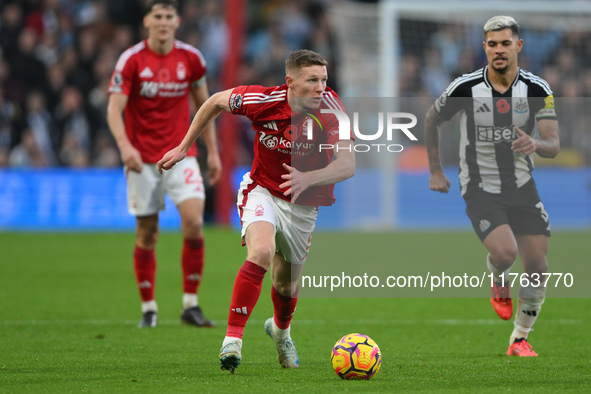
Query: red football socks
247, 289
283, 307
144, 262
192, 264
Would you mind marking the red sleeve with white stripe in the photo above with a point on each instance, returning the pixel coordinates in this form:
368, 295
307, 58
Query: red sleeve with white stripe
251, 99
125, 70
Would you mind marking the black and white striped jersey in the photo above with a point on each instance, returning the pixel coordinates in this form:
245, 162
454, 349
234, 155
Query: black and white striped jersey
487, 127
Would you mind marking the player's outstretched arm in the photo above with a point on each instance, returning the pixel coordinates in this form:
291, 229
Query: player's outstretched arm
437, 180
343, 167
200, 95
548, 145
210, 110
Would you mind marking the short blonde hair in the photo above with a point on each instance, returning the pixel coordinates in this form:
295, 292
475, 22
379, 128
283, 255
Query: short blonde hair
501, 22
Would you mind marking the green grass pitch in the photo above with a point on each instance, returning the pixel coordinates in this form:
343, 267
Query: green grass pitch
69, 310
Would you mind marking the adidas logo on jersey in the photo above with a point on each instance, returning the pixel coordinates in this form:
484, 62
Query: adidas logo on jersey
271, 125
483, 108
240, 311
146, 73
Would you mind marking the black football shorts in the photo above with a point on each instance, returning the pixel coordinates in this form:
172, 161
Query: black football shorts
521, 208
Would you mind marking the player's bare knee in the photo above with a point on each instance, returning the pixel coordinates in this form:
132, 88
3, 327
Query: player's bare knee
262, 254
147, 236
192, 228
504, 258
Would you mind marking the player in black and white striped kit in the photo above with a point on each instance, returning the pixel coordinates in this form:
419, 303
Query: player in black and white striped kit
500, 106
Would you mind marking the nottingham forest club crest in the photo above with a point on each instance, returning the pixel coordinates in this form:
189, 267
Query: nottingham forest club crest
181, 71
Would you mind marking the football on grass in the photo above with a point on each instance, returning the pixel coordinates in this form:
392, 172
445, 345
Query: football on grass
356, 357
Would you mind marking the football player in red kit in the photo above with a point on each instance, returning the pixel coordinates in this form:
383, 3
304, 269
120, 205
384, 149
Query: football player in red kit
151, 85
278, 201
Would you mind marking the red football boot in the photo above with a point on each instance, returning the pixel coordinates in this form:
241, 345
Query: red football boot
501, 301
521, 348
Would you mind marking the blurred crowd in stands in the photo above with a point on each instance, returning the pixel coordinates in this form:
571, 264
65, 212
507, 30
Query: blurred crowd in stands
57, 56
442, 52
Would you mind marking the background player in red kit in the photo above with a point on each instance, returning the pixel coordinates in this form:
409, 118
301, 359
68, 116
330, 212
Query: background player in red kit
152, 82
278, 200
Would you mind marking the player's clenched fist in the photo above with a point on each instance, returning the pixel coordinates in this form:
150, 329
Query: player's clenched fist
439, 182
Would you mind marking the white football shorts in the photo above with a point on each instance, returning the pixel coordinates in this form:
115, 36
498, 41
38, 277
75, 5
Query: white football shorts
293, 223
146, 190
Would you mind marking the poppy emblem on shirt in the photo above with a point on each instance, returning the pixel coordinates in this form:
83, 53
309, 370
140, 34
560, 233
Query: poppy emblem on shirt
164, 75
290, 133
503, 106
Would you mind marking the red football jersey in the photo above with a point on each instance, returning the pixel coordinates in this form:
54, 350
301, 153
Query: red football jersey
157, 113
282, 137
